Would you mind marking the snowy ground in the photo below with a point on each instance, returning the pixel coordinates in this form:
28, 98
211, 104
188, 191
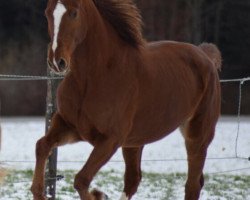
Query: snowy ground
19, 136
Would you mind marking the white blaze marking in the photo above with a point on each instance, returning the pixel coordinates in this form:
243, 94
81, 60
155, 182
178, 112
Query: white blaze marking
124, 197
58, 14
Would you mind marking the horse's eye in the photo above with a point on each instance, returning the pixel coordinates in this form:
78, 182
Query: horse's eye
73, 14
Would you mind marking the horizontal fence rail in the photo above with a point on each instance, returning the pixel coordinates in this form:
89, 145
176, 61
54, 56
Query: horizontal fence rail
242, 80
7, 77
10, 77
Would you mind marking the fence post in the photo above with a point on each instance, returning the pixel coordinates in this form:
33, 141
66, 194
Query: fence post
51, 169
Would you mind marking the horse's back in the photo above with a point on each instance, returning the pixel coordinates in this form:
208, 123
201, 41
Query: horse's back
177, 52
182, 62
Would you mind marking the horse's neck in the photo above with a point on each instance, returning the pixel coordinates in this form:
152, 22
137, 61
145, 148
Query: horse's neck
100, 45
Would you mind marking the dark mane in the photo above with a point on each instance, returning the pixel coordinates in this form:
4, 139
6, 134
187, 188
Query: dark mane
125, 18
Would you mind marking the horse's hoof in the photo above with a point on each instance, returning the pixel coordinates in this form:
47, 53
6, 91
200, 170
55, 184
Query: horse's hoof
99, 195
40, 198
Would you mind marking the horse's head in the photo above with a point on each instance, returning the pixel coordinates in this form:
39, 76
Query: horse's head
67, 28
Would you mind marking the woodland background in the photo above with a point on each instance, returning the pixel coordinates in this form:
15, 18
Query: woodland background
23, 44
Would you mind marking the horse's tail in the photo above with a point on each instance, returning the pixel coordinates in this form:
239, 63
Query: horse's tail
213, 53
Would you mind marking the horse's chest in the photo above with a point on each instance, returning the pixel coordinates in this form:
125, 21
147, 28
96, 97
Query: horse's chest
69, 102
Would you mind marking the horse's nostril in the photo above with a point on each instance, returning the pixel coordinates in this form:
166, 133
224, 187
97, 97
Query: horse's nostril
62, 64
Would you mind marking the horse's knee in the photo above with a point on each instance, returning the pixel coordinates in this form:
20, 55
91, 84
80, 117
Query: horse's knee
133, 175
81, 183
42, 148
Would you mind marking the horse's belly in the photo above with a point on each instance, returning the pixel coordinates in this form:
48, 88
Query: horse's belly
148, 129
156, 119
137, 138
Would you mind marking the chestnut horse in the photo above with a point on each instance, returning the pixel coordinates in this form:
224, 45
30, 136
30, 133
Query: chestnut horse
120, 91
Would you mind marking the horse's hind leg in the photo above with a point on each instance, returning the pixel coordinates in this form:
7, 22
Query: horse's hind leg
132, 178
198, 134
58, 134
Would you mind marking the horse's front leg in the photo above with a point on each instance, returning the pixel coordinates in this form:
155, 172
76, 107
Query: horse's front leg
58, 134
102, 152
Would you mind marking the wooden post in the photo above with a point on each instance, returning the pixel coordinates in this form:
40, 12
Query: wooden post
51, 170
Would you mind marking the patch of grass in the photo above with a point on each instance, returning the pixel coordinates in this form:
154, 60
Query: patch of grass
154, 186
228, 186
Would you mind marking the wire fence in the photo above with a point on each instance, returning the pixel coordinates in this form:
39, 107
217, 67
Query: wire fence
4, 77
7, 77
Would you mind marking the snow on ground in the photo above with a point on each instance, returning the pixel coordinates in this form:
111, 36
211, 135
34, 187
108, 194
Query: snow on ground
19, 136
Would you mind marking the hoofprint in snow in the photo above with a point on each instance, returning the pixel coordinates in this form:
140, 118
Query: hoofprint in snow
21, 134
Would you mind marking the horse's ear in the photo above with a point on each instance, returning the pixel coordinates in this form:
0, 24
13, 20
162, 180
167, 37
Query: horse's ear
49, 1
